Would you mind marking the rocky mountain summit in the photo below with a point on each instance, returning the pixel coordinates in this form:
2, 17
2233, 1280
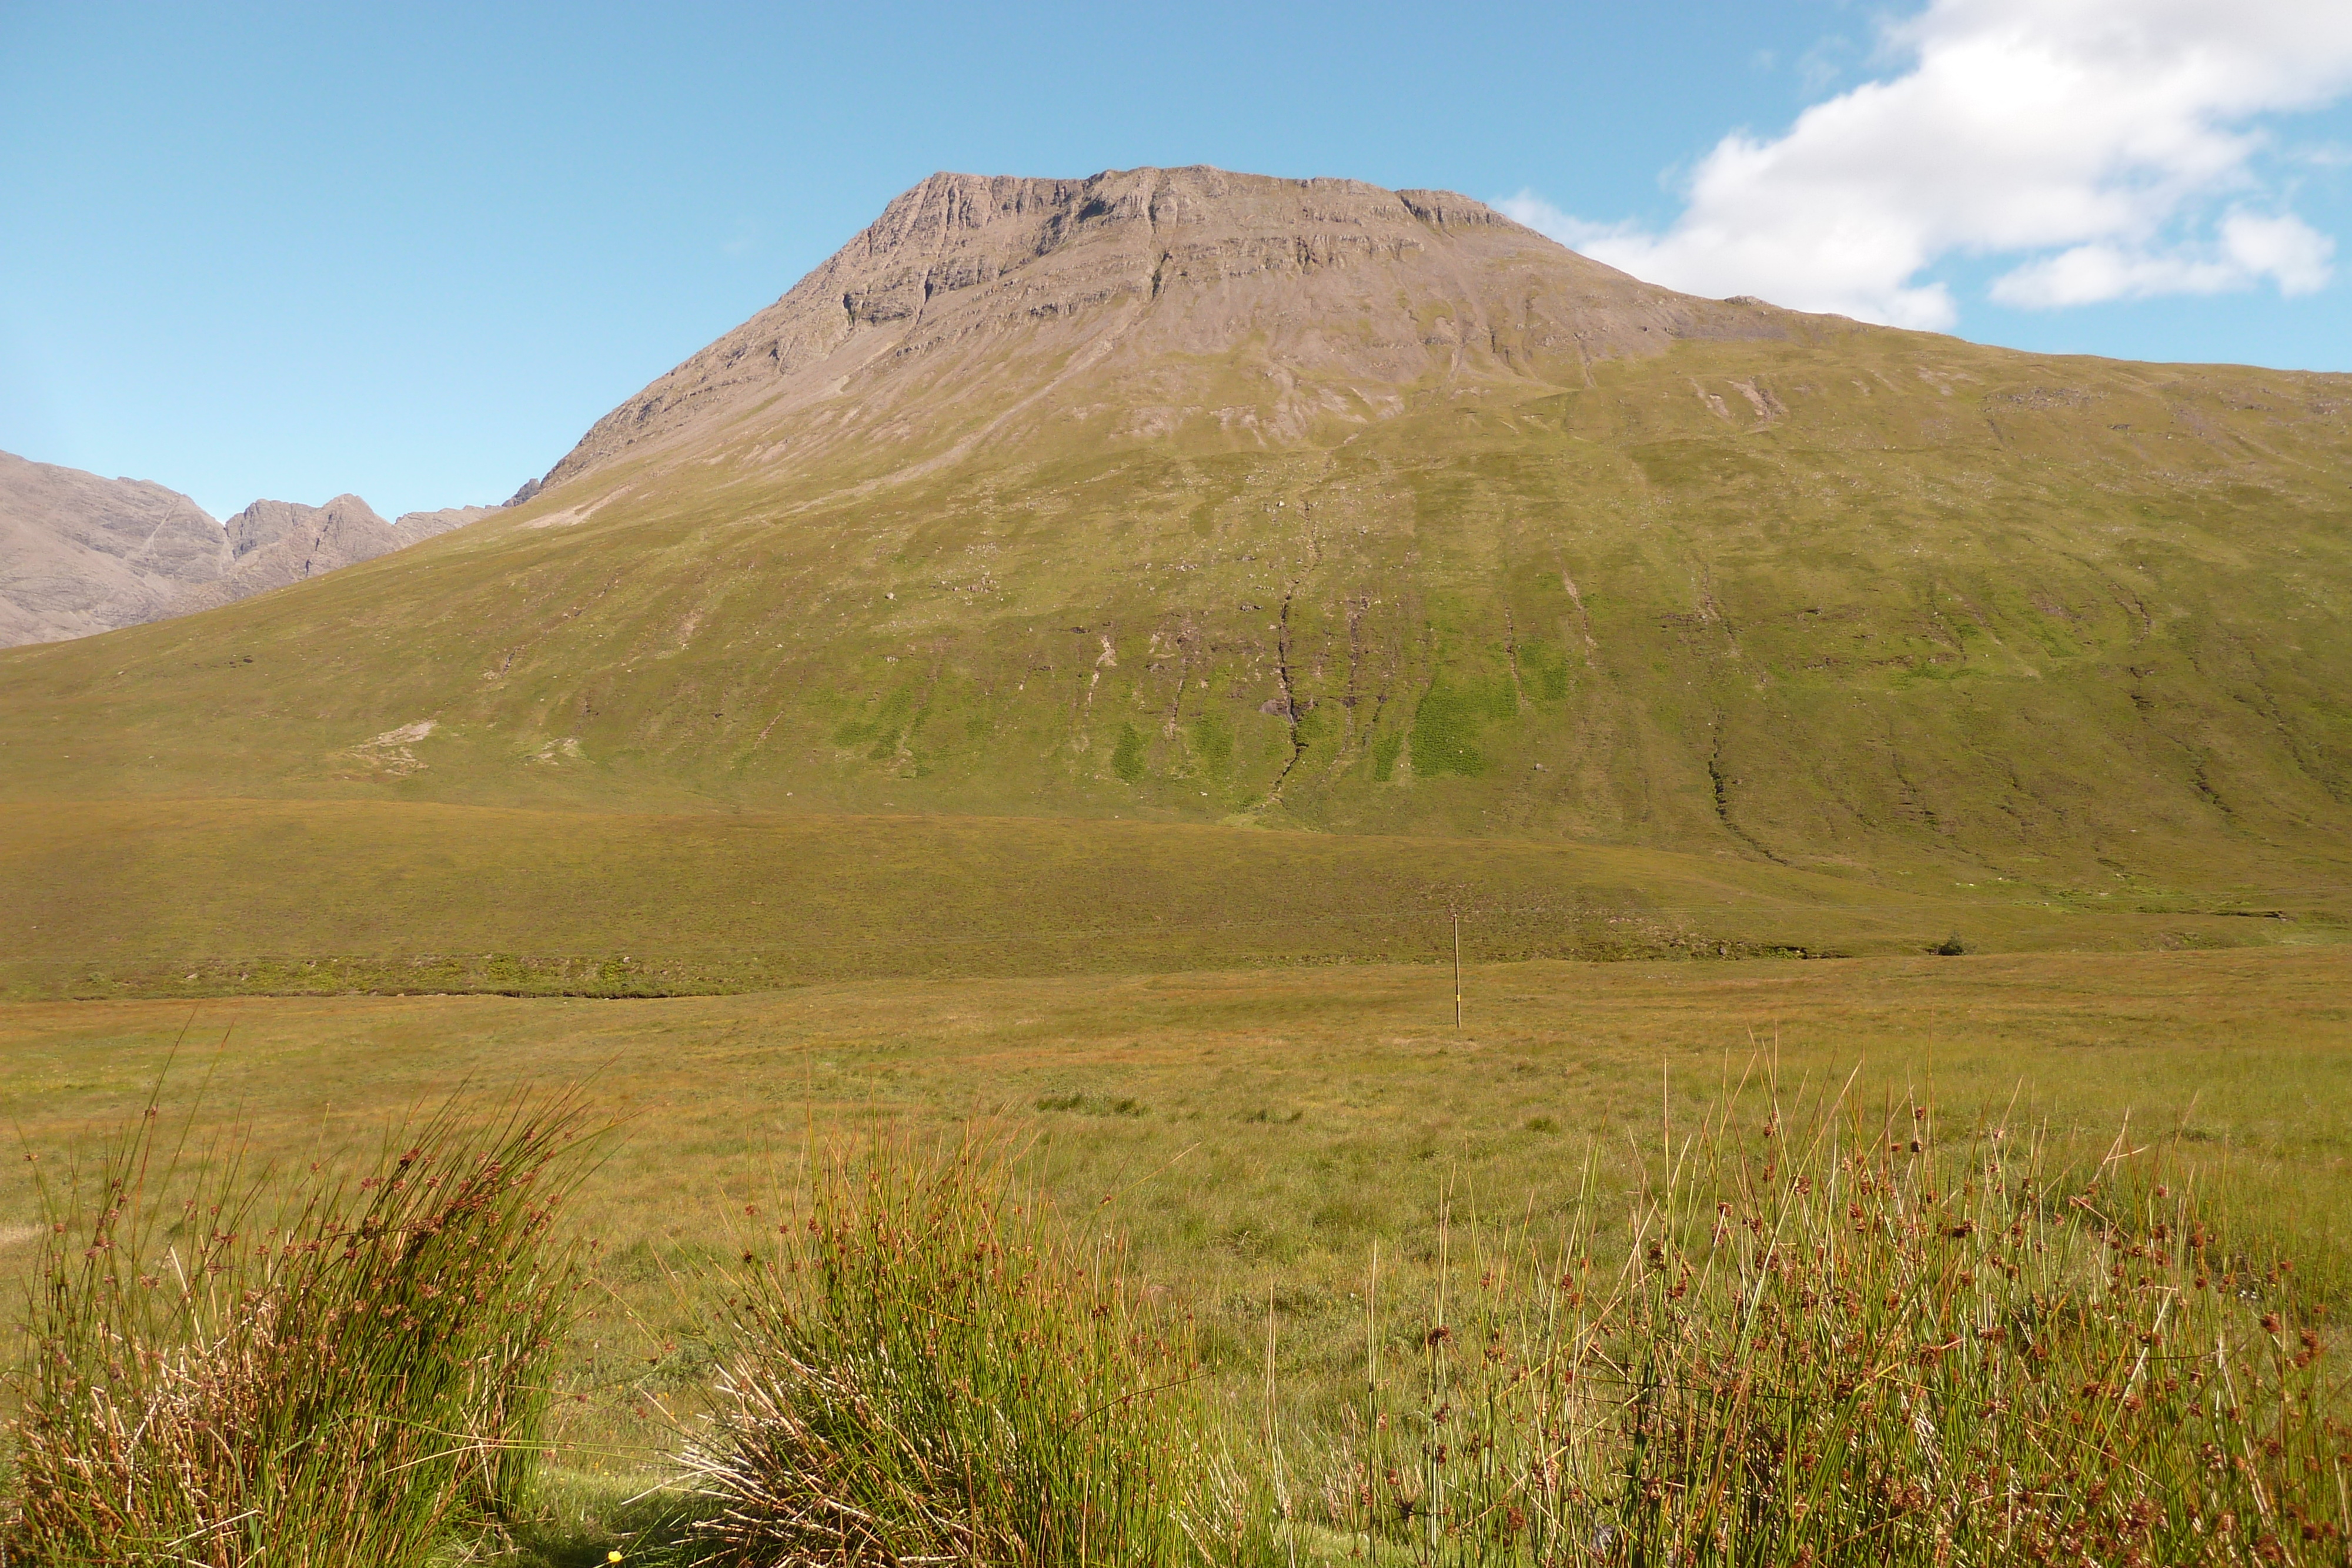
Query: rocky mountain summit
975, 309
80, 554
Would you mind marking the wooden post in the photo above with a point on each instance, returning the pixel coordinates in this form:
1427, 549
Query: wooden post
1457, 971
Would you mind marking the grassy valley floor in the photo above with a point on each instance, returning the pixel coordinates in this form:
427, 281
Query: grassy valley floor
1255, 1133
211, 897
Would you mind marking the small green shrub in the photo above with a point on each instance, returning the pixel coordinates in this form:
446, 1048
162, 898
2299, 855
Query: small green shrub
925, 1369
1547, 667
1127, 757
230, 1370
1212, 744
1447, 722
1094, 1104
1839, 1341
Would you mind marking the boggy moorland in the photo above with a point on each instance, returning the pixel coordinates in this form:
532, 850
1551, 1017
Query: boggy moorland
1279, 1165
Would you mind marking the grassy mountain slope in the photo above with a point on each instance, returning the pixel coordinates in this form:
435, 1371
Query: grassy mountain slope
1419, 527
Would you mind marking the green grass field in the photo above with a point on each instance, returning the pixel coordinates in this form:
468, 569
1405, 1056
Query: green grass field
1255, 1133
218, 897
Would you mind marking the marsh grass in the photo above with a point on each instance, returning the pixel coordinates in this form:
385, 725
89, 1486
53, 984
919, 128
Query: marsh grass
229, 1365
1834, 1338
1790, 1330
1810, 1335
922, 1366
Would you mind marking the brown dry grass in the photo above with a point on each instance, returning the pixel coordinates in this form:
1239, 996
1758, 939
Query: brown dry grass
1256, 1132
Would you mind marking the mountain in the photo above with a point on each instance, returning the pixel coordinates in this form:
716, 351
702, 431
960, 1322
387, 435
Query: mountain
1228, 312
274, 543
80, 554
1187, 497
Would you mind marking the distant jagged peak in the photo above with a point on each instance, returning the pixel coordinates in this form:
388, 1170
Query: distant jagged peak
80, 554
265, 523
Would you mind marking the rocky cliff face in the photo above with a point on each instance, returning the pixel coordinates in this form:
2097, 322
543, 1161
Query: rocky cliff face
1106, 291
80, 554
273, 543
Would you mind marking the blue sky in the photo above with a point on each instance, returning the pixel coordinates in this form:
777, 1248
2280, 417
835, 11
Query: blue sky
414, 251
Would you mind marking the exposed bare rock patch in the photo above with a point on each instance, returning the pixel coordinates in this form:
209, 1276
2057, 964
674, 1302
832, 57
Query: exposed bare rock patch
392, 754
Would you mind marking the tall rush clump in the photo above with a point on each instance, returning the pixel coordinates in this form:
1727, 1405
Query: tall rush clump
924, 1368
1846, 1344
236, 1371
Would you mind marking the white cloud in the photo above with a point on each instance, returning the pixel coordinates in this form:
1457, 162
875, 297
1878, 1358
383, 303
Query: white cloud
2286, 250
1572, 231
2094, 140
